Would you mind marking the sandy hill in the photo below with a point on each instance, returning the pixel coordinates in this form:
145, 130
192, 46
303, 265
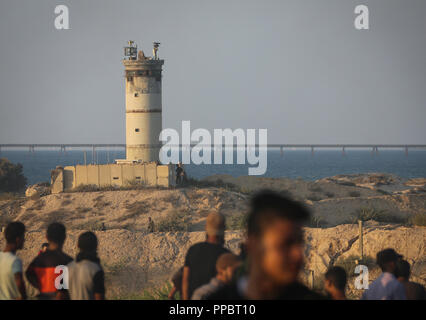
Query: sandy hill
135, 260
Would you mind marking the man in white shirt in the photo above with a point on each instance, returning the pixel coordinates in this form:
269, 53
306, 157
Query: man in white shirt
386, 286
12, 285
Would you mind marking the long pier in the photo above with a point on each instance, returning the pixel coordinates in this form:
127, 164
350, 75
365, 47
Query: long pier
63, 147
33, 146
272, 145
281, 146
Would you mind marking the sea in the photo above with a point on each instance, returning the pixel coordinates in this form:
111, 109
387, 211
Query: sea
298, 163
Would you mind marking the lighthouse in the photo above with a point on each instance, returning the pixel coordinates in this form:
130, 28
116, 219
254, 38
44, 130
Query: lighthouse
143, 103
143, 128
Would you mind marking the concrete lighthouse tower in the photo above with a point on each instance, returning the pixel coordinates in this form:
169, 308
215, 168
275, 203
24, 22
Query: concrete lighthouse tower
143, 128
143, 104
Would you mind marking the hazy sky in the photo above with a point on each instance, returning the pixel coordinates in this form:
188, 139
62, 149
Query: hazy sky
298, 68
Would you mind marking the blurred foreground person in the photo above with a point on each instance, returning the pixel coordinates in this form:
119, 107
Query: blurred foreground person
41, 271
12, 285
335, 283
86, 277
226, 265
200, 260
413, 290
386, 286
177, 284
275, 248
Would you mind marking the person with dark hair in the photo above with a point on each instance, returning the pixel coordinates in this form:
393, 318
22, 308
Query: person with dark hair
177, 284
86, 276
413, 290
41, 271
335, 283
43, 248
200, 260
386, 286
12, 285
274, 250
226, 265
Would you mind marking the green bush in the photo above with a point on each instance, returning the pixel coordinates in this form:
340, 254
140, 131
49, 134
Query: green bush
236, 222
366, 214
11, 177
217, 184
316, 222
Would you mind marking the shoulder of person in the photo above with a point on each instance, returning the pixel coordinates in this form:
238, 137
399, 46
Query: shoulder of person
37, 259
67, 257
226, 292
197, 245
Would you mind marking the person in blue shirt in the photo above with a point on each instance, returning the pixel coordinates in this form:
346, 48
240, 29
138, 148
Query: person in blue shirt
386, 286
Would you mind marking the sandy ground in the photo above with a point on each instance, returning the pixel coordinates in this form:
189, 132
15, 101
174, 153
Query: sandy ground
135, 260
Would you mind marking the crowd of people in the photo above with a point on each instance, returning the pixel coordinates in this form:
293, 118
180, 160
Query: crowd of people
82, 279
268, 266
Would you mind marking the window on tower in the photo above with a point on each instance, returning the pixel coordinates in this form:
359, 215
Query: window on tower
136, 94
137, 130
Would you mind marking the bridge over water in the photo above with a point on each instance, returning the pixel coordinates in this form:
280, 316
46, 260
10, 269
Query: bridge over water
282, 146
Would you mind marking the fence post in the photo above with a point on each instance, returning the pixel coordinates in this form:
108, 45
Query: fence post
361, 240
311, 279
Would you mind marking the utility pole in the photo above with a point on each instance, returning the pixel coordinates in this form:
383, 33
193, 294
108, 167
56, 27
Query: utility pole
361, 244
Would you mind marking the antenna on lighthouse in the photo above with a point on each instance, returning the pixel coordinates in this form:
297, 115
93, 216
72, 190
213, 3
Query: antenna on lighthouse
131, 50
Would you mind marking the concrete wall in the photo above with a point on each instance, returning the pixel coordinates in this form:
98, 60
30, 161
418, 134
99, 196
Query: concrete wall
149, 174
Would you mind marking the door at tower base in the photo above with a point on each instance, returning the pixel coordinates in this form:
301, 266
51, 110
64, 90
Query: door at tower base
118, 175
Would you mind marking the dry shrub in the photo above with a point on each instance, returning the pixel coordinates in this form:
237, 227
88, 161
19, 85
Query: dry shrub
177, 221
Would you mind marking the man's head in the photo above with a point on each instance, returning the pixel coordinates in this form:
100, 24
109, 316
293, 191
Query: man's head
88, 242
56, 233
215, 227
275, 237
44, 246
387, 259
402, 270
226, 265
15, 234
335, 279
